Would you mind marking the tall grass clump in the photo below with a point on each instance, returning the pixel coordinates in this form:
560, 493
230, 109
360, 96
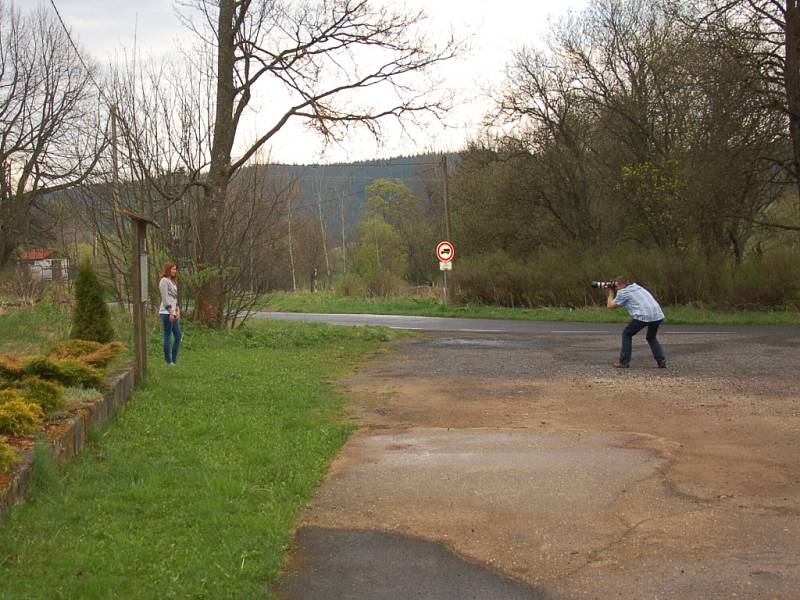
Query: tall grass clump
44, 474
8, 457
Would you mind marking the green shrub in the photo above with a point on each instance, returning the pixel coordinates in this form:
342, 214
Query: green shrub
351, 285
561, 276
9, 395
380, 283
68, 372
92, 353
17, 415
11, 367
7, 456
49, 395
73, 348
90, 317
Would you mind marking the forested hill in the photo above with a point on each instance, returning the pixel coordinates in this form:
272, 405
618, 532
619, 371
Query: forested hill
341, 188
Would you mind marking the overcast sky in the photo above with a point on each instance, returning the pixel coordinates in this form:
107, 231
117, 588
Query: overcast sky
495, 28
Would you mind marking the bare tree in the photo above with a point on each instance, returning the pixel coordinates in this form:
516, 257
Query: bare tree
52, 134
323, 57
773, 27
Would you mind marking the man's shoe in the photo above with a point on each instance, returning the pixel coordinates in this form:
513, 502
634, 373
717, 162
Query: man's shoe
662, 364
619, 365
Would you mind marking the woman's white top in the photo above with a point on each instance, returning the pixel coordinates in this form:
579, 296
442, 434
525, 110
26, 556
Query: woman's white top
169, 295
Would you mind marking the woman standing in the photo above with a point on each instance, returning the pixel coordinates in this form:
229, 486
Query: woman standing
169, 311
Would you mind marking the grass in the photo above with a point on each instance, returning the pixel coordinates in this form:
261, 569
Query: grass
328, 302
32, 330
36, 329
193, 490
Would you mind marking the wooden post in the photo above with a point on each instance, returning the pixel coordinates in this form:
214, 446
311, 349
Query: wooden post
139, 279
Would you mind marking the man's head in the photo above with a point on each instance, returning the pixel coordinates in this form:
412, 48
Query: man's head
621, 282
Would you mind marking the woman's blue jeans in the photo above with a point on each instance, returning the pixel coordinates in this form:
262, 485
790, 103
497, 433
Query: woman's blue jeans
634, 327
171, 329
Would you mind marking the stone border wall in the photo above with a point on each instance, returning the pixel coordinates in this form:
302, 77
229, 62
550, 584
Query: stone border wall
65, 444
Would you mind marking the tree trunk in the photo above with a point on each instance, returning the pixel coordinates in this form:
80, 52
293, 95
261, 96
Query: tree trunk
14, 212
792, 82
210, 295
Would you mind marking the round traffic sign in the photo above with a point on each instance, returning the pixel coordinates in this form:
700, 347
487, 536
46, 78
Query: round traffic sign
445, 251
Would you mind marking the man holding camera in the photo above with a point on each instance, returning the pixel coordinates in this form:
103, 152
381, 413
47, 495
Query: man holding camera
645, 312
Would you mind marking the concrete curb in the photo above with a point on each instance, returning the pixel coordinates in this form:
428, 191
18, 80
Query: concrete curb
66, 442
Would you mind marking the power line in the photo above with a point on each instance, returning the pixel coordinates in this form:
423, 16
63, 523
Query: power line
78, 54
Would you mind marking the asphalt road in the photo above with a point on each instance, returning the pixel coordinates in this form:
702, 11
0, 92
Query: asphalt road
508, 459
456, 325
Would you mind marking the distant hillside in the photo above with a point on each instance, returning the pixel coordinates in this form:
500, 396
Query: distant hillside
339, 188
343, 185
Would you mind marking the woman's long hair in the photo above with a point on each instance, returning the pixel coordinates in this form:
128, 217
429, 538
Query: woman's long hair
165, 270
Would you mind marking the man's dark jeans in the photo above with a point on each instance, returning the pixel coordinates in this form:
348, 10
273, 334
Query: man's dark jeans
634, 327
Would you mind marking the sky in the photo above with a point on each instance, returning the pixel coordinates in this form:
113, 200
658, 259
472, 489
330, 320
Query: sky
494, 29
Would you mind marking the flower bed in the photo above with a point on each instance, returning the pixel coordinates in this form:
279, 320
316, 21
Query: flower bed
65, 436
36, 405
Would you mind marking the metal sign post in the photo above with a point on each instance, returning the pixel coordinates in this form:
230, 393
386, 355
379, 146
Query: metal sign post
445, 253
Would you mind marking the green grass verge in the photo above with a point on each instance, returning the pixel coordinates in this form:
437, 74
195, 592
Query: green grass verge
327, 302
193, 490
35, 329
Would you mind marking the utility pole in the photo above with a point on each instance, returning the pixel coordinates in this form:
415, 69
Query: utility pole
114, 159
119, 279
344, 240
446, 198
446, 205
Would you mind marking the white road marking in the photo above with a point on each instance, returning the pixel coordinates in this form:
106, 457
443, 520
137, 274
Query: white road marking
661, 333
698, 333
582, 332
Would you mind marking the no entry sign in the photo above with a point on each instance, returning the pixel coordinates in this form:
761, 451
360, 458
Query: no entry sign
445, 251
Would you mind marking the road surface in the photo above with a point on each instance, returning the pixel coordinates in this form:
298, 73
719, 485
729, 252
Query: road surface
514, 461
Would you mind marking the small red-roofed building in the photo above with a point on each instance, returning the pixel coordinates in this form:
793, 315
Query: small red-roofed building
47, 264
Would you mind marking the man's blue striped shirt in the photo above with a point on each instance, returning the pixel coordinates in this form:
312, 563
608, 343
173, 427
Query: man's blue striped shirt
639, 303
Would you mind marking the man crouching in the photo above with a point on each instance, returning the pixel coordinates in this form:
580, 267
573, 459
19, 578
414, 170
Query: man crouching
645, 312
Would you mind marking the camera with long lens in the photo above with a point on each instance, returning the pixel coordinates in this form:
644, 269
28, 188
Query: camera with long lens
604, 285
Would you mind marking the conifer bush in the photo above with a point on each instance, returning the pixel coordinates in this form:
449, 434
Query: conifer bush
68, 372
8, 395
17, 415
73, 348
48, 395
92, 353
11, 367
7, 456
90, 317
